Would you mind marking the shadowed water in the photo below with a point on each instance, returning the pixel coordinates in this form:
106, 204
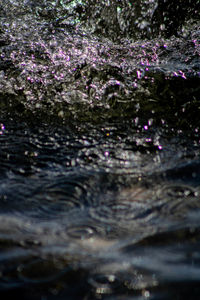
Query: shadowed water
99, 150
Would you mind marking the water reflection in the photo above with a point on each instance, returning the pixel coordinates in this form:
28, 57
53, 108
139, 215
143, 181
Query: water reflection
99, 150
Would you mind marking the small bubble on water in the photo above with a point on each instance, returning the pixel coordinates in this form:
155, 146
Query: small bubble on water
81, 232
146, 294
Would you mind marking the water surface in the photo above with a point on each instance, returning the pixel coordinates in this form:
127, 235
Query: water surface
99, 150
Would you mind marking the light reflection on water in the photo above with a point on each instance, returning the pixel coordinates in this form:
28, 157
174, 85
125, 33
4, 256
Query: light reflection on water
127, 228
99, 150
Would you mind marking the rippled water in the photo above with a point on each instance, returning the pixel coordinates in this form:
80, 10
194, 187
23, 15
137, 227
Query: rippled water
99, 150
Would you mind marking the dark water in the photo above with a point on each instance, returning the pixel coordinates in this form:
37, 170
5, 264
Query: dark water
99, 149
